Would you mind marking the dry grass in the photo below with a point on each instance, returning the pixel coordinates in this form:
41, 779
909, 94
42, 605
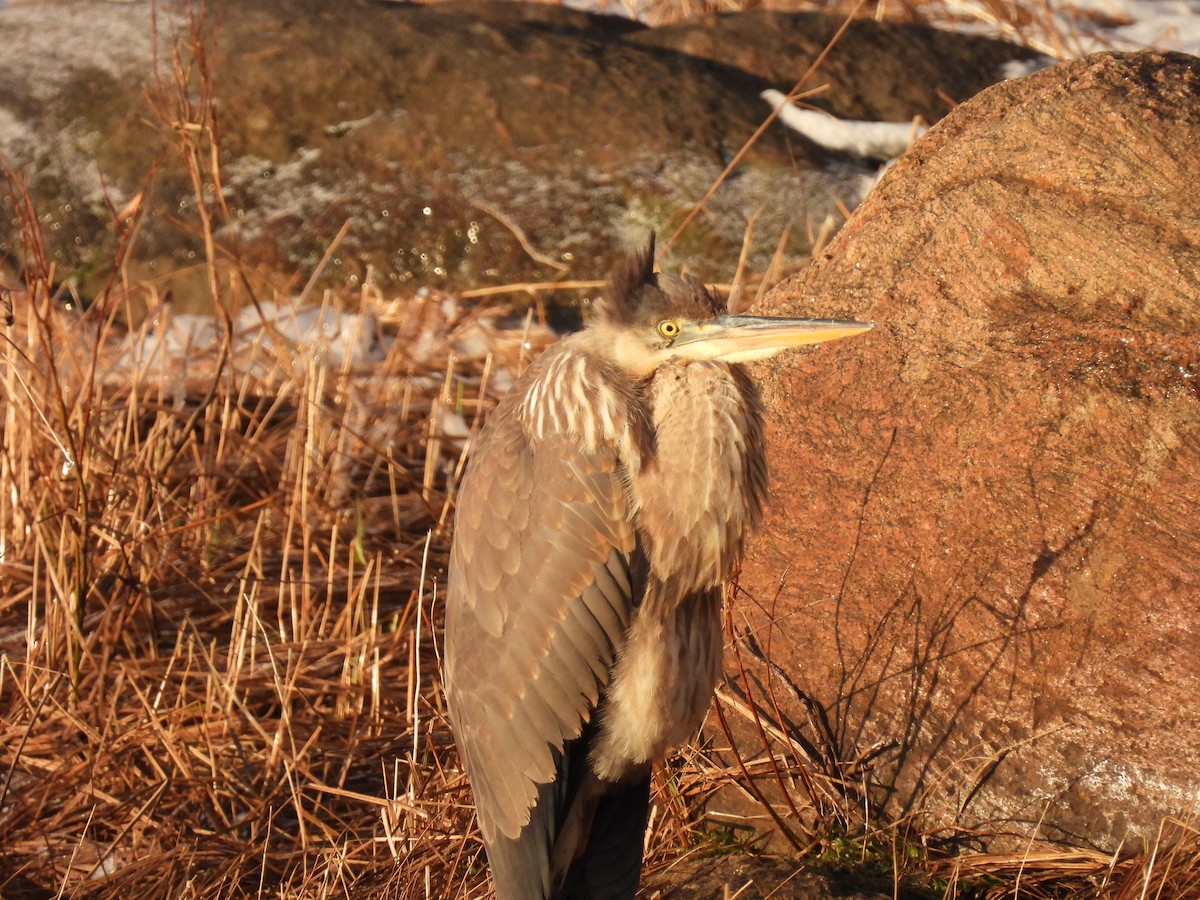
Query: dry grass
1168, 868
220, 611
219, 669
219, 574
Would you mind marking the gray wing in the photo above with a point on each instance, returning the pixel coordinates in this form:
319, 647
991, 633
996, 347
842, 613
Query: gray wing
539, 598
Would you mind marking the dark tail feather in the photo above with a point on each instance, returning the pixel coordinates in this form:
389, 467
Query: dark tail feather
612, 863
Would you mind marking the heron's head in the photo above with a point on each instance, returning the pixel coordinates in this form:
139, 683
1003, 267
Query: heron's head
646, 319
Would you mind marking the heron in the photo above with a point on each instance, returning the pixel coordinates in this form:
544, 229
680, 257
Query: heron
601, 515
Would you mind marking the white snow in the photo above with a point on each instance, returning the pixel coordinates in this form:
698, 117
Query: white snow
1019, 68
870, 140
335, 337
1066, 29
1086, 26
171, 343
1161, 24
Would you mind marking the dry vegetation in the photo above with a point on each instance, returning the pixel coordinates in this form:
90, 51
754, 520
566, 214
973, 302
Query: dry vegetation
220, 612
218, 627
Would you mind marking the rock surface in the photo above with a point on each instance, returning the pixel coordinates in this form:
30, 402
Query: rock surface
434, 129
985, 541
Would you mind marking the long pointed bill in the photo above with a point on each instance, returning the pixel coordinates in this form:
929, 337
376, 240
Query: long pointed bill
743, 338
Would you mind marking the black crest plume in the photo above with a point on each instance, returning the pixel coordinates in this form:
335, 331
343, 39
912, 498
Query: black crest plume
628, 279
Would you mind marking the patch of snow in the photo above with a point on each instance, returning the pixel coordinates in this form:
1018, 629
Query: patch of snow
1161, 24
451, 425
1074, 28
472, 342
1085, 25
171, 344
1019, 68
334, 337
869, 140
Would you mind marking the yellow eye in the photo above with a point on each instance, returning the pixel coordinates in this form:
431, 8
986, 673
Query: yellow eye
668, 328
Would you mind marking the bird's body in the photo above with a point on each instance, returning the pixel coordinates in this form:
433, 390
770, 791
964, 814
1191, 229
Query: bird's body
604, 511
